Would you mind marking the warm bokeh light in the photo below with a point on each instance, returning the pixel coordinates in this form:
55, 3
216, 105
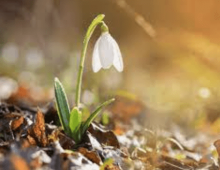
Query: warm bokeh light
171, 49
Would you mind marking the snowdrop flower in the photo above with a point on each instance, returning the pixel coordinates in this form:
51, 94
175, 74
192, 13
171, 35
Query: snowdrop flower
106, 53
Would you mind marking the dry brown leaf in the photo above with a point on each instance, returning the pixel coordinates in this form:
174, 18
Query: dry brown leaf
25, 143
112, 167
91, 155
15, 124
37, 131
31, 140
105, 137
19, 163
217, 146
65, 141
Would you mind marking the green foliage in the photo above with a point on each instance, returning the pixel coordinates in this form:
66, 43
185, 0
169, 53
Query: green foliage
72, 121
95, 114
75, 123
62, 105
106, 163
105, 118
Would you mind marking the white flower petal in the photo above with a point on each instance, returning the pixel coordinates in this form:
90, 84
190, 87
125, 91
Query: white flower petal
96, 64
118, 62
106, 50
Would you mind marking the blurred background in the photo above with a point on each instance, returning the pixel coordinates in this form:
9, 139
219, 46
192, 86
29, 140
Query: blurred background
171, 52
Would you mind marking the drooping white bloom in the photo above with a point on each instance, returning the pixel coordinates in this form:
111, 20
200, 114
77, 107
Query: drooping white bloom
106, 53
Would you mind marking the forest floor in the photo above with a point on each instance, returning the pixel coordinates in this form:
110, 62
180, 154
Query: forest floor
31, 138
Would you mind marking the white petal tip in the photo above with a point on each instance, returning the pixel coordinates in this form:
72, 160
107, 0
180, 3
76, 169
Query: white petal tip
95, 71
119, 69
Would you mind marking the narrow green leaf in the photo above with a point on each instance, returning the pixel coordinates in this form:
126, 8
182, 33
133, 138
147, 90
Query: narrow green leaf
105, 118
62, 105
74, 124
94, 115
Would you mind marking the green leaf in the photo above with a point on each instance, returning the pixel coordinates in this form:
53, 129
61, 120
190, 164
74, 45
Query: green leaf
95, 114
105, 118
62, 105
107, 162
75, 123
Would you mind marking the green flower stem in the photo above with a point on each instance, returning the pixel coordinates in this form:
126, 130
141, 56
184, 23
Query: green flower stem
89, 33
104, 28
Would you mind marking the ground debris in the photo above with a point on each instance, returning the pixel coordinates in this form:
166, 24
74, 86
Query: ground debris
105, 137
91, 155
37, 130
30, 138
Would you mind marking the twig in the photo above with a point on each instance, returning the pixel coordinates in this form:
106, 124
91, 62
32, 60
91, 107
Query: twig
139, 19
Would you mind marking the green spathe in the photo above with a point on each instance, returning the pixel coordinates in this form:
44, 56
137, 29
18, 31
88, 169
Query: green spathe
75, 123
